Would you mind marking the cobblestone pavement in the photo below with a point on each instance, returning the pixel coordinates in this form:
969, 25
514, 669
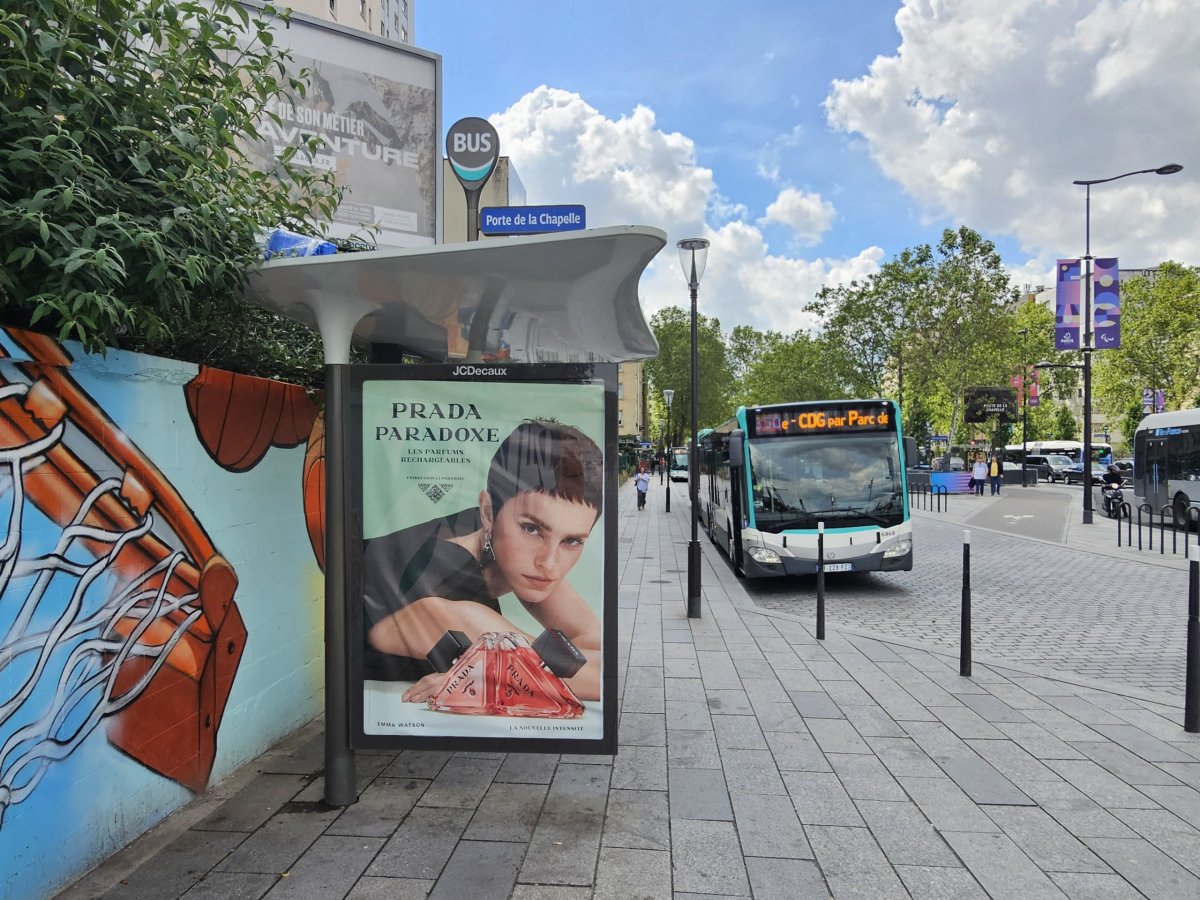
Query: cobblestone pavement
754, 761
1032, 602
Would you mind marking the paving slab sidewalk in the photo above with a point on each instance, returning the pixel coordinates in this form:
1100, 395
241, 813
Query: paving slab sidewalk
754, 761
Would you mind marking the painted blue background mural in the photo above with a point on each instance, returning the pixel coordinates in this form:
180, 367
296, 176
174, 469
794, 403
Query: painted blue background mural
160, 602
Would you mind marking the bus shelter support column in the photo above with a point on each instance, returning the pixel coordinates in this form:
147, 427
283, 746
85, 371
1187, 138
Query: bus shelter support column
340, 789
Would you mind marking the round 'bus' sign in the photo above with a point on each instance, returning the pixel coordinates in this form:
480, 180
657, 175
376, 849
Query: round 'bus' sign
473, 147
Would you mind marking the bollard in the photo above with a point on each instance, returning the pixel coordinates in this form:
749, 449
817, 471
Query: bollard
1119, 527
1150, 520
1127, 512
820, 581
1191, 694
964, 638
1162, 528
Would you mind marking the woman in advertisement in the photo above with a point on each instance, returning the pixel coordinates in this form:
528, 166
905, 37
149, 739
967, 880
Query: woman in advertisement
429, 586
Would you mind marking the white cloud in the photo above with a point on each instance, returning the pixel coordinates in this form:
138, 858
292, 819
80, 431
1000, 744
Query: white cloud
987, 112
807, 215
628, 171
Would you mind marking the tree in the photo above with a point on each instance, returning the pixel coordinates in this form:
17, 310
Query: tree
128, 214
1160, 343
770, 367
672, 368
965, 320
868, 327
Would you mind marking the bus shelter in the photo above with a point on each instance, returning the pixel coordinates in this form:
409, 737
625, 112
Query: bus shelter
513, 330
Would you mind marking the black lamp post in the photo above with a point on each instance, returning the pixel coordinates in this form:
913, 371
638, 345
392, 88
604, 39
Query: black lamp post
668, 395
1086, 343
693, 253
1024, 410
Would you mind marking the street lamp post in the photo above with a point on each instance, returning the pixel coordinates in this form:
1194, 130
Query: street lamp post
668, 395
1024, 409
1086, 343
693, 253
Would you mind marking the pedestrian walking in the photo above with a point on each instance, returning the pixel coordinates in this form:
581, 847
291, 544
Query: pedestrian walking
642, 482
995, 473
979, 474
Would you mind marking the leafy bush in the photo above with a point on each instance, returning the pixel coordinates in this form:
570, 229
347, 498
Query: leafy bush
128, 215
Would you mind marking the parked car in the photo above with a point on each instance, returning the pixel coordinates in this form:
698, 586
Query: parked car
1074, 474
1051, 467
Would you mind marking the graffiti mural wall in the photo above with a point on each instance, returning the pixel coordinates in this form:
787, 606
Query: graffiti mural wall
160, 601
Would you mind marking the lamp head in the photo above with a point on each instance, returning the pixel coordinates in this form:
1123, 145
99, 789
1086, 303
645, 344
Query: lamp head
693, 254
668, 395
1168, 169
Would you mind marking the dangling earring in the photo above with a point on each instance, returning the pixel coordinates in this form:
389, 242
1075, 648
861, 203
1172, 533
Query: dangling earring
489, 555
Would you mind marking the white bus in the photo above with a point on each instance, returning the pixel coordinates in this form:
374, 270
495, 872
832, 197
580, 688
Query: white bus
1166, 461
771, 474
1102, 453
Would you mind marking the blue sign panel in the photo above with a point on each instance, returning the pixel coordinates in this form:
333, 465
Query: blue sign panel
497, 220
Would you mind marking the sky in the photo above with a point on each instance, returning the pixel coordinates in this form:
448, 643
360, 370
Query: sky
812, 140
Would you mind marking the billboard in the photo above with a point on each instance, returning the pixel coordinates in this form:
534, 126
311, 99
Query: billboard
982, 404
483, 590
375, 107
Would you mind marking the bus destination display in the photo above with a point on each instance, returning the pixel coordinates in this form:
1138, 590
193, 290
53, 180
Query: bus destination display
807, 420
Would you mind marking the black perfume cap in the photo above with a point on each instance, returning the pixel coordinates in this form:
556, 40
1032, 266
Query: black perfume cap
558, 653
450, 646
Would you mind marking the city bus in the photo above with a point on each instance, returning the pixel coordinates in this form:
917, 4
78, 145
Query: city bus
677, 463
1166, 461
1102, 453
772, 474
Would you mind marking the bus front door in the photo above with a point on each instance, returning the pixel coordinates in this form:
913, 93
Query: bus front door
1156, 474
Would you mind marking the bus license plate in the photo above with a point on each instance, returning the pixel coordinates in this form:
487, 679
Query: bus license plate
839, 567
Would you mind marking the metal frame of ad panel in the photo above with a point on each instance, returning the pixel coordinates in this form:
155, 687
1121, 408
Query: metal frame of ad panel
482, 557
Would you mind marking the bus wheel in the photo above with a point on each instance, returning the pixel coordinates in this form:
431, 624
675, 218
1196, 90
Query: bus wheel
1179, 510
733, 560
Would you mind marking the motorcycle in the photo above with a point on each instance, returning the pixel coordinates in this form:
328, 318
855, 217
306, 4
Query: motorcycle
1111, 498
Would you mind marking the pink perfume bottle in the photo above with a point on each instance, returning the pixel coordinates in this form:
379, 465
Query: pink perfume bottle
503, 675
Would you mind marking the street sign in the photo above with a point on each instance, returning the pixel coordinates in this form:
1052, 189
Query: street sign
497, 220
473, 147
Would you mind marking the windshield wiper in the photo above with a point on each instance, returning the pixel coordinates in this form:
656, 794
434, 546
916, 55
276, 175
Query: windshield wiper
847, 513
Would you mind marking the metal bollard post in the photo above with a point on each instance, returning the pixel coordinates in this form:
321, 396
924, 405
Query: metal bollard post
964, 639
820, 581
1191, 691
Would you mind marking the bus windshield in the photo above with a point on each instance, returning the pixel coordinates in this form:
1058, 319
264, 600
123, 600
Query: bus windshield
841, 480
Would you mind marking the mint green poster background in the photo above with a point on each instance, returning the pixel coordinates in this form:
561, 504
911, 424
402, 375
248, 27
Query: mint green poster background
412, 477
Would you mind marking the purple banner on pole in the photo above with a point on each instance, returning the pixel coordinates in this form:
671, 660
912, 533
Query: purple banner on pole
1107, 310
1066, 305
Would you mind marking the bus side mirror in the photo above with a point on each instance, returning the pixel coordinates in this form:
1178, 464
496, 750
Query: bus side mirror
910, 452
737, 448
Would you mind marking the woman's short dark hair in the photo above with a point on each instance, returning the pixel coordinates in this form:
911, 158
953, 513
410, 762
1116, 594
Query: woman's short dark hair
555, 459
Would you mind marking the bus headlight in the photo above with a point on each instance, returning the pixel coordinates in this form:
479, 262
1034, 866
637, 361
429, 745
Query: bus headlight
764, 555
900, 548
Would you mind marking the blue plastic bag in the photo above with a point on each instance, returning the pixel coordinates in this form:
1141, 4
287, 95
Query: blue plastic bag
281, 242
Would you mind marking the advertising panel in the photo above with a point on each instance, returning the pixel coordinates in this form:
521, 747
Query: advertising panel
484, 593
375, 107
985, 403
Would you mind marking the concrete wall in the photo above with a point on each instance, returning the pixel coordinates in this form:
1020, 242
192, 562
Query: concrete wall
160, 601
